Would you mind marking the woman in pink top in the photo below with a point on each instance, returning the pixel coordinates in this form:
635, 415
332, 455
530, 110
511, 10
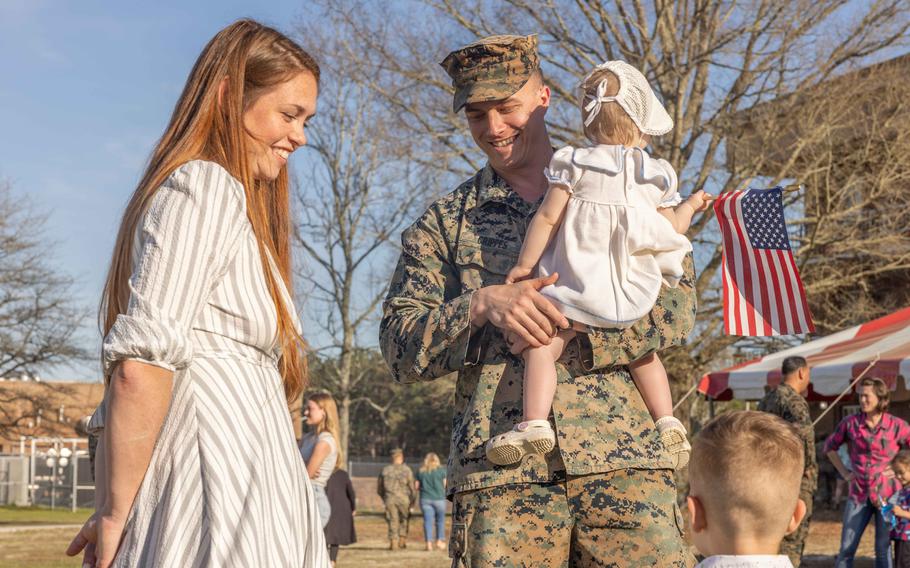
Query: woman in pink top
874, 437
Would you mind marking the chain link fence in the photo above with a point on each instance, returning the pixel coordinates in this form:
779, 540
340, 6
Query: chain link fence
51, 475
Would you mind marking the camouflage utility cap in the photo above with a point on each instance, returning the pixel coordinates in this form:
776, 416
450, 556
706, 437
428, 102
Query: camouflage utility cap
491, 69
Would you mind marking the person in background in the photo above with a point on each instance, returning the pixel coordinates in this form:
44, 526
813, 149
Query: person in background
842, 486
788, 401
737, 523
340, 529
874, 437
319, 447
431, 484
827, 475
396, 487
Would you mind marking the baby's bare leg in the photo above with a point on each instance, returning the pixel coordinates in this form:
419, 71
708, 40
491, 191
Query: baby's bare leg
540, 376
651, 379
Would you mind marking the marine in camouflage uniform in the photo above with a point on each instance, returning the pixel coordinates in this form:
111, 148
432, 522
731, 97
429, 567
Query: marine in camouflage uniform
606, 496
396, 487
785, 401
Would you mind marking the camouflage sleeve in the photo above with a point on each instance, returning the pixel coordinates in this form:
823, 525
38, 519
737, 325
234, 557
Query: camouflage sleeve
425, 332
669, 323
798, 415
380, 487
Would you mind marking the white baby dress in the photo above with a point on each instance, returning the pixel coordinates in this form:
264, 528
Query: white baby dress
613, 249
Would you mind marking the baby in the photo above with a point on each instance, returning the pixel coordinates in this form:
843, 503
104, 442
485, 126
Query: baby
744, 490
611, 226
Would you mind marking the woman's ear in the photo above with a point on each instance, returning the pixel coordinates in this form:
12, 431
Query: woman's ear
798, 513
222, 89
697, 519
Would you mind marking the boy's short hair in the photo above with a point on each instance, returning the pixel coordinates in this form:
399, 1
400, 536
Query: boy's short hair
746, 469
901, 461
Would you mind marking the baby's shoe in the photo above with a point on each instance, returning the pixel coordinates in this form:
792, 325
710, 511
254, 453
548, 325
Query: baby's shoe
673, 437
529, 437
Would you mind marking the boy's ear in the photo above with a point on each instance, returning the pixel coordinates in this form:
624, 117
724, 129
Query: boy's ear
798, 513
697, 519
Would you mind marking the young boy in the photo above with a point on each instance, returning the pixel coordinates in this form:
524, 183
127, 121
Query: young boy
744, 490
900, 502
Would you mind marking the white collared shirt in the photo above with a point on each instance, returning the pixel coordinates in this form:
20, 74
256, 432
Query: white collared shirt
746, 561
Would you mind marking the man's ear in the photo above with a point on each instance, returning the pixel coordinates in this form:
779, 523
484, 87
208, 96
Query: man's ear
697, 519
798, 513
544, 94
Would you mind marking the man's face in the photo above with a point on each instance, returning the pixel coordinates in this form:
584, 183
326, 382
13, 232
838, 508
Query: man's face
511, 131
804, 380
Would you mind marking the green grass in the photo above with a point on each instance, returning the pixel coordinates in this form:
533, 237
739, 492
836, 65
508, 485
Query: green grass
10, 515
43, 548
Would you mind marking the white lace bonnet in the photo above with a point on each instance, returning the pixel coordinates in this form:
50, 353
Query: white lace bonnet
634, 96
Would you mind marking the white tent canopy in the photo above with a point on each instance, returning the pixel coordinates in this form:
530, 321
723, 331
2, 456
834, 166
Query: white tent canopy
835, 361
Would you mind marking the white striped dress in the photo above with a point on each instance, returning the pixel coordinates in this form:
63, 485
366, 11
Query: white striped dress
226, 485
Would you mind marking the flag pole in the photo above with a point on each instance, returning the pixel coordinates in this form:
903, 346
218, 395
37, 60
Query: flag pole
685, 396
848, 389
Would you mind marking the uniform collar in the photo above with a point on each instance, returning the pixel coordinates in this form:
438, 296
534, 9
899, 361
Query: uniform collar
491, 187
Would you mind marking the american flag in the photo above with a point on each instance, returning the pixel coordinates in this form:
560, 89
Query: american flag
763, 294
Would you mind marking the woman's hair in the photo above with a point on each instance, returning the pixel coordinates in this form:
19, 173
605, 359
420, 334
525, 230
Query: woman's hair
330, 423
612, 125
249, 58
430, 462
880, 389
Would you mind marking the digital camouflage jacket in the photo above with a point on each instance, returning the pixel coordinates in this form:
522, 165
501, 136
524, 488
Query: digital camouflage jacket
785, 402
470, 239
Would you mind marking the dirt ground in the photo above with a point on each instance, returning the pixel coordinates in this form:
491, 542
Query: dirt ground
42, 548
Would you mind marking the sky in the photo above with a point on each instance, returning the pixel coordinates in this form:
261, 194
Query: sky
88, 87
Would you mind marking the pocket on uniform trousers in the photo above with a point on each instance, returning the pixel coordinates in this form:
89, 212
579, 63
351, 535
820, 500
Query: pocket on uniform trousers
458, 538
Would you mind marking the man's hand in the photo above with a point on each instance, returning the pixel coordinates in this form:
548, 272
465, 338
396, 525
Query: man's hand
517, 274
519, 308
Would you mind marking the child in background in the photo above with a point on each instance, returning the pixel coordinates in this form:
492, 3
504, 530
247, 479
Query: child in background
900, 503
611, 225
744, 480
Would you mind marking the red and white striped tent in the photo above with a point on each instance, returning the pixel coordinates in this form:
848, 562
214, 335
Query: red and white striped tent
835, 361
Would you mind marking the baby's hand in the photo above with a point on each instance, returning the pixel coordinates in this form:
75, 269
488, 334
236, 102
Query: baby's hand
517, 274
699, 200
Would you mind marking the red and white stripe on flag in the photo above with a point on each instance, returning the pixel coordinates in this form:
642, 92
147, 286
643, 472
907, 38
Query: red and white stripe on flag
763, 294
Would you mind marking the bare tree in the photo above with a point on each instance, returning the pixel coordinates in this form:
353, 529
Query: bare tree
711, 62
361, 187
38, 316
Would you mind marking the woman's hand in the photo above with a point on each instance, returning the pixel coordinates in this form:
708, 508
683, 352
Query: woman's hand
86, 540
99, 538
110, 533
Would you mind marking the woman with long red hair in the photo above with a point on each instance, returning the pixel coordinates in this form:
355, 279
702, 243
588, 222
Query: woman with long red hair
197, 464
